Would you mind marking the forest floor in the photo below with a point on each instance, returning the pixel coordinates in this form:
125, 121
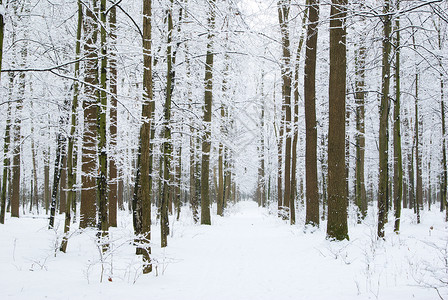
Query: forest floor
248, 254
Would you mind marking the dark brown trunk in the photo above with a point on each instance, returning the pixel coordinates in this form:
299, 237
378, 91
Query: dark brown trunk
113, 172
383, 193
206, 142
337, 193
312, 192
89, 151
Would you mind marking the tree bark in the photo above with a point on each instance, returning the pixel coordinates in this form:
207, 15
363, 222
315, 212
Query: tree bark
337, 193
71, 161
383, 192
295, 129
398, 161
221, 149
312, 192
443, 202
283, 17
113, 76
206, 142
16, 151
418, 159
103, 206
63, 184
360, 197
46, 155
89, 151
60, 145
35, 186
6, 164
142, 193
167, 146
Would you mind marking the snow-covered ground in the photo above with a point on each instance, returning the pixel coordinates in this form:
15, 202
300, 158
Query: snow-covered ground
248, 254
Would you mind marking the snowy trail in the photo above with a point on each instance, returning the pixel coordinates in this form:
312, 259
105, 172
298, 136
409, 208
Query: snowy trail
249, 254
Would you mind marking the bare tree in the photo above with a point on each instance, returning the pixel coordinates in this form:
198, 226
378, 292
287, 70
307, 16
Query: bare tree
206, 142
337, 193
312, 192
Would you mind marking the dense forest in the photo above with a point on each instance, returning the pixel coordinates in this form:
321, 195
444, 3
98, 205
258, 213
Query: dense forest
325, 113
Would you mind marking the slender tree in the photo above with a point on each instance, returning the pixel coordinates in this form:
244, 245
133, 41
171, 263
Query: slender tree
71, 162
312, 192
193, 190
167, 145
443, 200
206, 142
398, 161
5, 165
261, 186
384, 122
60, 148
46, 154
221, 149
103, 219
7, 131
418, 203
35, 186
418, 159
63, 184
294, 127
360, 141
280, 138
16, 151
113, 77
142, 194
283, 17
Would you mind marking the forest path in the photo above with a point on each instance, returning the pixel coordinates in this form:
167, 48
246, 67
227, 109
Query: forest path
249, 254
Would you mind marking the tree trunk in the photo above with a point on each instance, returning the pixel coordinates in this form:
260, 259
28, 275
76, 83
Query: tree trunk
295, 129
89, 151
443, 201
206, 142
113, 172
194, 201
384, 122
337, 194
6, 164
63, 184
47, 179
398, 162
16, 151
360, 197
103, 206
71, 161
418, 160
221, 149
35, 185
142, 192
411, 177
60, 145
262, 163
178, 182
279, 167
312, 191
227, 177
283, 17
167, 146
